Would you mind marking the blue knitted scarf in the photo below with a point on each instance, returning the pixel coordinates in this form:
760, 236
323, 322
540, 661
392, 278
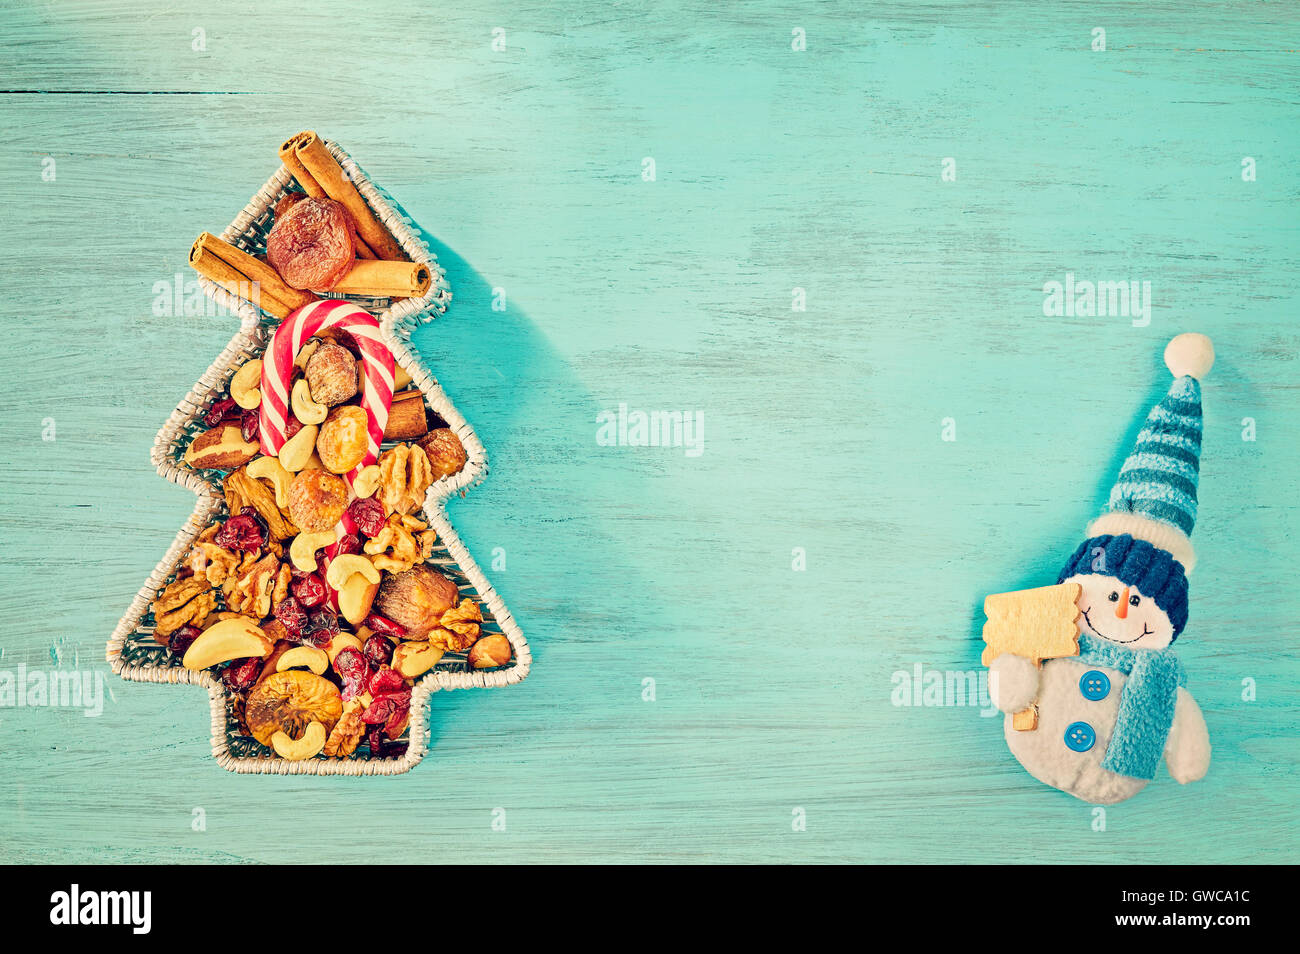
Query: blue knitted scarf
1146, 707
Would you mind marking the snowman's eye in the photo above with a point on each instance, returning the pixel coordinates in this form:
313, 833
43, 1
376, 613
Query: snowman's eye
1114, 597
1134, 601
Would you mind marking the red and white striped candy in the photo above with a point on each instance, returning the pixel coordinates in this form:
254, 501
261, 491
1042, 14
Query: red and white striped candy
277, 371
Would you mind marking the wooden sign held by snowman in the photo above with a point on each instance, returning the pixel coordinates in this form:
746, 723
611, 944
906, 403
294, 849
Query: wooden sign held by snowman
1095, 697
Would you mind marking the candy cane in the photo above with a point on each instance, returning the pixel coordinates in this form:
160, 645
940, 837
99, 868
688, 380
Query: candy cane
277, 371
376, 398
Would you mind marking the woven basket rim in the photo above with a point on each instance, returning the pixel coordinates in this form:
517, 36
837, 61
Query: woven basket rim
395, 325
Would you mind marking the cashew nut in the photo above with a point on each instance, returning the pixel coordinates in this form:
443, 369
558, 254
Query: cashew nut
342, 568
302, 552
309, 656
244, 385
271, 469
298, 449
304, 408
312, 741
305, 352
400, 378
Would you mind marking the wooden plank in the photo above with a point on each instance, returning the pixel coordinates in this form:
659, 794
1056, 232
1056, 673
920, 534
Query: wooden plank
775, 688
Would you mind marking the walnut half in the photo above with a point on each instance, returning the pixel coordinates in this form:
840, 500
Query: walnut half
347, 733
183, 602
251, 595
404, 477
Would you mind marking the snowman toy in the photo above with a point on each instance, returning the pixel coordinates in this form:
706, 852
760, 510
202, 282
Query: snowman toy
1104, 718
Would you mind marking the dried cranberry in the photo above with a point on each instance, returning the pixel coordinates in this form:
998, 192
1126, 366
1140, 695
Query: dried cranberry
242, 673
369, 515
291, 427
309, 590
324, 620
261, 521
249, 426
385, 626
244, 531
375, 740
382, 749
378, 651
181, 639
221, 412
350, 664
348, 543
379, 749
293, 615
393, 726
385, 682
380, 711
353, 688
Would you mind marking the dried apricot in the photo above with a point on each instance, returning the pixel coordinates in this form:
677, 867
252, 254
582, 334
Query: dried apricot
312, 245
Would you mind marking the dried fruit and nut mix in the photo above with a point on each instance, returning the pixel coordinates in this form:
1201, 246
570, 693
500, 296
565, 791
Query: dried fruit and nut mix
311, 599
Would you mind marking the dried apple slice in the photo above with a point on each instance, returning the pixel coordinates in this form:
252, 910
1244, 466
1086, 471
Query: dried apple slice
289, 702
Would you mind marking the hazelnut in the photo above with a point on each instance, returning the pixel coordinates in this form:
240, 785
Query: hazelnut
331, 374
317, 500
445, 452
490, 652
415, 599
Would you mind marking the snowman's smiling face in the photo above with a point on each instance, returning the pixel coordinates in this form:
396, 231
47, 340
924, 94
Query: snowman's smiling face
1121, 614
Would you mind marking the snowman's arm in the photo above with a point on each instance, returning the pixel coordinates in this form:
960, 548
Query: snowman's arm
1187, 750
1013, 682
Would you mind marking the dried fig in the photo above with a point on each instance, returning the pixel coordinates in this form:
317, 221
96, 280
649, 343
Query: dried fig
288, 702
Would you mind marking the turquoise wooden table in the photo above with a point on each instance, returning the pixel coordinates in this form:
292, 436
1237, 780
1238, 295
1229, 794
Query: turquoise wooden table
823, 236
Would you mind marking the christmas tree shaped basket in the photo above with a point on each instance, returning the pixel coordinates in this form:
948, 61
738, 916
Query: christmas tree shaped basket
274, 677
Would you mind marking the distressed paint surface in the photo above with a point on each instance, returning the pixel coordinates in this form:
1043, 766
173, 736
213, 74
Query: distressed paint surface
774, 169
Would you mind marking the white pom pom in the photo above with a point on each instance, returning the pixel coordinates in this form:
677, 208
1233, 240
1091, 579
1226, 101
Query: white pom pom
1190, 353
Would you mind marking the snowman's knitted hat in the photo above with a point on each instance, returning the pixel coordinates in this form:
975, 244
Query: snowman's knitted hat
1151, 569
1154, 498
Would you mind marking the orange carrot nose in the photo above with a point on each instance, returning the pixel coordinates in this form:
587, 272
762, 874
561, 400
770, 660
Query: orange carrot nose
1122, 609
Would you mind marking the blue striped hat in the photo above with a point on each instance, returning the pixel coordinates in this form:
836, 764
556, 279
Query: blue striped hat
1154, 497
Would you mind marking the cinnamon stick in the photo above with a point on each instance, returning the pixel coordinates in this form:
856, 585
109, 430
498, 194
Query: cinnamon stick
311, 152
234, 281
386, 280
406, 417
309, 184
295, 166
254, 269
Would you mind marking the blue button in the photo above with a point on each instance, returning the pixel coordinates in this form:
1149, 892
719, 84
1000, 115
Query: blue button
1079, 737
1094, 685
